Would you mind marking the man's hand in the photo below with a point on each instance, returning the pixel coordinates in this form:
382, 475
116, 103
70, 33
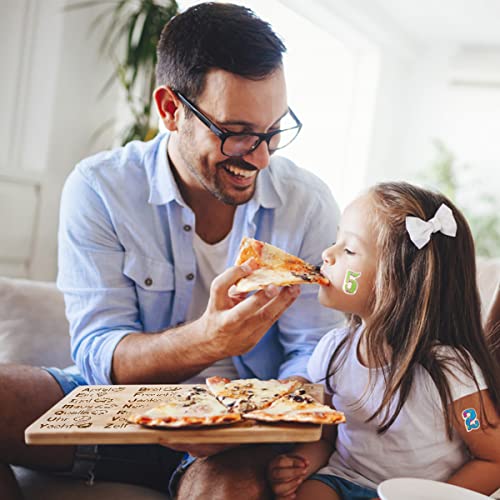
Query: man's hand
286, 473
236, 323
299, 379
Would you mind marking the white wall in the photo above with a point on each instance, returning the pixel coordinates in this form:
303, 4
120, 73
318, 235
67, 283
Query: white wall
51, 77
434, 81
436, 97
383, 57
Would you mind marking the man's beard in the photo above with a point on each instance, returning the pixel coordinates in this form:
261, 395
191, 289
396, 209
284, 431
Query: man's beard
246, 192
211, 180
216, 187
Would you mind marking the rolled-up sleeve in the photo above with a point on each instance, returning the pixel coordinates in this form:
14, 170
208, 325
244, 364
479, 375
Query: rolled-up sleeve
101, 302
306, 321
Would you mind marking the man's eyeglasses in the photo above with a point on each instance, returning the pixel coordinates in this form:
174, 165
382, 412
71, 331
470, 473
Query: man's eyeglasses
237, 144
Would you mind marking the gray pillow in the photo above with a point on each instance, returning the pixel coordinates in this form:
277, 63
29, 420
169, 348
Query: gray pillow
33, 326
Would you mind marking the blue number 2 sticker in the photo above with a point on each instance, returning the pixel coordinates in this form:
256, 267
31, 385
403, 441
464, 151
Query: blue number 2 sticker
471, 421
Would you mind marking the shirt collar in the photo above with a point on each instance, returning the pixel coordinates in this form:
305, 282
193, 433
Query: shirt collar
164, 189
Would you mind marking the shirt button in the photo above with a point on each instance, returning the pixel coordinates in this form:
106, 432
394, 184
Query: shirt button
187, 227
148, 281
190, 276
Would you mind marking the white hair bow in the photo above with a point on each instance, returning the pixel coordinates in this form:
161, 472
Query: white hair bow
420, 230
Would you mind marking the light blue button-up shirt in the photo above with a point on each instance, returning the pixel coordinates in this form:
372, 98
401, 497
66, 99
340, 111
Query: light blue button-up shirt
127, 264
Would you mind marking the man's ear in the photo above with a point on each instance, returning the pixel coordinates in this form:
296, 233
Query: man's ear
168, 106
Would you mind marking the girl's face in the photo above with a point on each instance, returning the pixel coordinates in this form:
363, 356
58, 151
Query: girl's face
350, 264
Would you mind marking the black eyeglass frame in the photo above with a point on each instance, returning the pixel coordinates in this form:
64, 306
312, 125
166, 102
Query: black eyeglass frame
261, 136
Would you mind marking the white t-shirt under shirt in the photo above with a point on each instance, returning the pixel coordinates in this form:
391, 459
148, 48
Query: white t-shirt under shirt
416, 445
210, 262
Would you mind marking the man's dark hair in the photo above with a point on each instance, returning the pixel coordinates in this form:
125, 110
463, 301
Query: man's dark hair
215, 35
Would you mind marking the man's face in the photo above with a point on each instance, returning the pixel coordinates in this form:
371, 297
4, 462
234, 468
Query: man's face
235, 104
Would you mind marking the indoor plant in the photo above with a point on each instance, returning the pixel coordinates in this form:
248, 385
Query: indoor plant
134, 27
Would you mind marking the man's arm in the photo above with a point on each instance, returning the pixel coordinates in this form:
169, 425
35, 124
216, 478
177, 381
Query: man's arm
229, 327
107, 338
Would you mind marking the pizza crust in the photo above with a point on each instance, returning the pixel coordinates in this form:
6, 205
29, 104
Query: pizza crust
186, 421
297, 407
262, 277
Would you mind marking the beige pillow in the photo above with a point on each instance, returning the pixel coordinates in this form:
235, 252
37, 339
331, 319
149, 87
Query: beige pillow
33, 326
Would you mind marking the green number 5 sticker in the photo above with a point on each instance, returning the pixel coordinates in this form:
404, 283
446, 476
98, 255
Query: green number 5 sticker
350, 285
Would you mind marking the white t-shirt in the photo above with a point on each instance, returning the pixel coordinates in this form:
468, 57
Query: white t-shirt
210, 262
416, 445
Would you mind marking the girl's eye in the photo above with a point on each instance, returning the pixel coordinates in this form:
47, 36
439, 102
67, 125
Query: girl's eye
348, 252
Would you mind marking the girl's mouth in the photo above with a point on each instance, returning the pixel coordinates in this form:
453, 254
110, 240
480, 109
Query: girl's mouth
322, 272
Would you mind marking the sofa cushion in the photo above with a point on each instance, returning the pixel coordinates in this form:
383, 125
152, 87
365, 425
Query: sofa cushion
33, 325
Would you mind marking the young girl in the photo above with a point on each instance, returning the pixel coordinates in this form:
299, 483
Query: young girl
412, 371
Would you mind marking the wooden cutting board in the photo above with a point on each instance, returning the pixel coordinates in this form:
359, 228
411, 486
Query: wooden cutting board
98, 415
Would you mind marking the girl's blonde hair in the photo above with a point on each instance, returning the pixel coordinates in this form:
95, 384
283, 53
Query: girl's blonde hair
422, 299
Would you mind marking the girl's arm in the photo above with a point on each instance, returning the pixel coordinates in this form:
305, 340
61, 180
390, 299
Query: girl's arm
287, 472
318, 453
482, 472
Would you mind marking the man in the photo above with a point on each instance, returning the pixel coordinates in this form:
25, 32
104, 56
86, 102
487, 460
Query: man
148, 233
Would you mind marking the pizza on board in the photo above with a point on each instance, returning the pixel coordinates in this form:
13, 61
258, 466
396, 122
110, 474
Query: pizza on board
251, 394
276, 267
229, 401
297, 407
191, 406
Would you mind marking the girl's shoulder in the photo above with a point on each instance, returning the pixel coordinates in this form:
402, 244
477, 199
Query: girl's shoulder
463, 373
320, 359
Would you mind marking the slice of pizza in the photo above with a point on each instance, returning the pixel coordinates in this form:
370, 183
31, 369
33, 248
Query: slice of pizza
276, 267
246, 395
297, 407
191, 406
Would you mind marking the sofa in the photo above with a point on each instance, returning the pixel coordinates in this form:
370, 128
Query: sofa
34, 330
